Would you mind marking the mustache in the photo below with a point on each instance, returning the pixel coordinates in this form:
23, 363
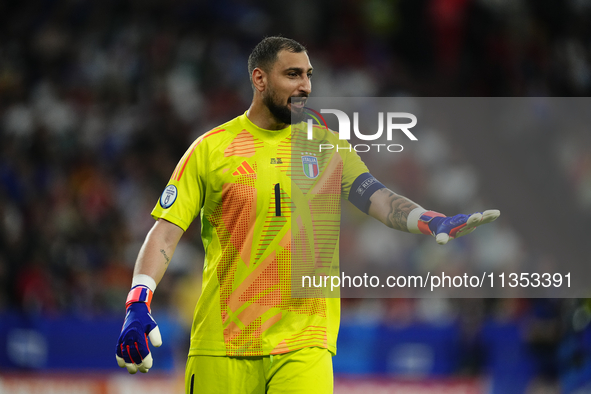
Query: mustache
300, 96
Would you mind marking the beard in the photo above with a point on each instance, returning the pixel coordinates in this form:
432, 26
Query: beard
282, 113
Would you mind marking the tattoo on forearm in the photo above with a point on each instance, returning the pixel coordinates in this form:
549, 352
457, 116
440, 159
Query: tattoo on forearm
165, 256
399, 208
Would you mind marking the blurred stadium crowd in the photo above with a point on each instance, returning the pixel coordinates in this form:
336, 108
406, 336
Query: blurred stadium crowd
99, 99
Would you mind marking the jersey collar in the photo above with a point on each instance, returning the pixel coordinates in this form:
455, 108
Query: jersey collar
269, 136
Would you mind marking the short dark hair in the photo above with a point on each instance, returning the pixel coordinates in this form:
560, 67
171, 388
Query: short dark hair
264, 55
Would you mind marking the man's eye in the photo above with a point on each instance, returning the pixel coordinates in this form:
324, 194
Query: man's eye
309, 76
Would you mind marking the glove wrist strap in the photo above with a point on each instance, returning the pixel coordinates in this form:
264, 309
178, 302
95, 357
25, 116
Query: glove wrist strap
413, 219
139, 293
419, 219
425, 219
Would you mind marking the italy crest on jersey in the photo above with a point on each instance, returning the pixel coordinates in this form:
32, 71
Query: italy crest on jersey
310, 164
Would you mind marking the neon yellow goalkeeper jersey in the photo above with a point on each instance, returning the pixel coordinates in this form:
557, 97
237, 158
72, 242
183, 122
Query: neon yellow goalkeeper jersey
270, 206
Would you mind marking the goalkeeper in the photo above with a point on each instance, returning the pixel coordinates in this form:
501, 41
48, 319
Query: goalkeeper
260, 191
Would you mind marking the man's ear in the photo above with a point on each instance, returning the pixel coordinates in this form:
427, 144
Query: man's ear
259, 79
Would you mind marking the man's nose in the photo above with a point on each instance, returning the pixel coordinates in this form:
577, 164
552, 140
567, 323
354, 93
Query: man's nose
306, 85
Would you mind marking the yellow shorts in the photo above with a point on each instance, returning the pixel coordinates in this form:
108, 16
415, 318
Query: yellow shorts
307, 370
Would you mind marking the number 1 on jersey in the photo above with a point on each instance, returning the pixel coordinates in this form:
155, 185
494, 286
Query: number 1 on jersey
277, 200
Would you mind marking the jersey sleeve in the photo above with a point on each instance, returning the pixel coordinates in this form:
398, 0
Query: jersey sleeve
353, 167
183, 196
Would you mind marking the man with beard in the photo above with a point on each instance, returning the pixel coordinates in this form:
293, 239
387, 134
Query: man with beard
270, 208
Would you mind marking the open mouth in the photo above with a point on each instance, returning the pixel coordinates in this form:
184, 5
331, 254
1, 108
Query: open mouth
298, 102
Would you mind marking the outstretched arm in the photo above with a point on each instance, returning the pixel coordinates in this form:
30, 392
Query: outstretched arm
391, 209
400, 213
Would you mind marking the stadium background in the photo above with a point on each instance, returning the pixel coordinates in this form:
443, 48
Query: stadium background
98, 101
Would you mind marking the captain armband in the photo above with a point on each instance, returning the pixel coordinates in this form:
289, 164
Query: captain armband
362, 189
